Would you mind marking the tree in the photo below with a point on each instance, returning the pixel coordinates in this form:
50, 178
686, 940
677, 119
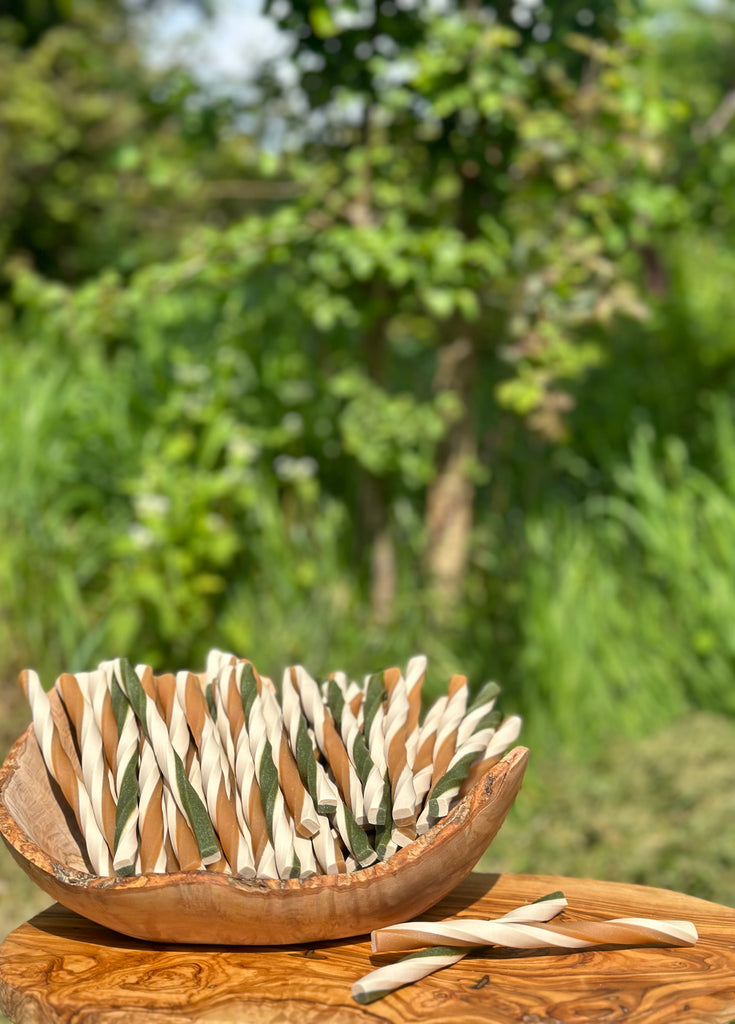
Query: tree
481, 181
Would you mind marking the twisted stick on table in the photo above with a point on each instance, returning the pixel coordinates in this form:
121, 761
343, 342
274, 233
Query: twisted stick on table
473, 933
427, 961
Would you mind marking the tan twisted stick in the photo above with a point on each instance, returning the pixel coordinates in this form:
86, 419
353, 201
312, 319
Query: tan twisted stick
329, 742
403, 795
104, 714
506, 734
320, 787
231, 719
62, 771
298, 799
327, 849
423, 766
470, 932
415, 675
219, 794
178, 730
178, 787
95, 772
278, 822
446, 736
180, 834
152, 854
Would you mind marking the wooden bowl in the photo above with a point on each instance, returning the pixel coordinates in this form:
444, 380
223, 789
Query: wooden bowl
210, 908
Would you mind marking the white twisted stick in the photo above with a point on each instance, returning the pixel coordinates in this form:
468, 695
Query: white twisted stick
219, 794
330, 743
98, 780
231, 721
415, 675
62, 770
403, 794
424, 761
472, 933
280, 828
297, 797
151, 822
418, 965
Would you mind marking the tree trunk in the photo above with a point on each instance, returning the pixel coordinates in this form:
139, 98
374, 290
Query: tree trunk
450, 498
383, 568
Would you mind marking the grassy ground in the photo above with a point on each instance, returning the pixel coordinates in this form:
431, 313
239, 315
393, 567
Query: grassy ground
658, 812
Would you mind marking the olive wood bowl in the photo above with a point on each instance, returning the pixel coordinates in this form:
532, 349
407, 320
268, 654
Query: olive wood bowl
205, 907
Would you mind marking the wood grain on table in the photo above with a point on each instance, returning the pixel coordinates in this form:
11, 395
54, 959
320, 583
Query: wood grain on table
59, 968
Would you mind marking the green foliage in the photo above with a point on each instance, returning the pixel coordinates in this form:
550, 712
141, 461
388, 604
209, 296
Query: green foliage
625, 604
657, 811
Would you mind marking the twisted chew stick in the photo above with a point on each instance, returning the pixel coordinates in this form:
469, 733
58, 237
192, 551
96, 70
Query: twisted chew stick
170, 763
163, 690
152, 857
278, 823
220, 798
424, 762
231, 722
506, 734
330, 742
477, 711
415, 675
471, 933
352, 736
322, 790
403, 795
110, 700
326, 849
445, 743
95, 771
104, 713
418, 965
62, 771
297, 797
377, 788
486, 743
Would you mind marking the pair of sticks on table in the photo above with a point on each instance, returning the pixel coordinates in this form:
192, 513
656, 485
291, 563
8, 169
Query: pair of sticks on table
173, 772
439, 944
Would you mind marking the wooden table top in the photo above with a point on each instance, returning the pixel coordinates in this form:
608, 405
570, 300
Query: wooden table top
62, 969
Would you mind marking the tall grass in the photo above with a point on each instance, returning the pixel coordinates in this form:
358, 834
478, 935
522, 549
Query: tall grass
627, 602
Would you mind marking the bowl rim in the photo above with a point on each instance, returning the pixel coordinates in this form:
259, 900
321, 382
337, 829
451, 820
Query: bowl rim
17, 838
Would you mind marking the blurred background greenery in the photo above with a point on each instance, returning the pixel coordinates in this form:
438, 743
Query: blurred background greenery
417, 336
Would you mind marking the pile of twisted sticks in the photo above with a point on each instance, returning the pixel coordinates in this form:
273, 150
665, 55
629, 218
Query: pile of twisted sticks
225, 772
